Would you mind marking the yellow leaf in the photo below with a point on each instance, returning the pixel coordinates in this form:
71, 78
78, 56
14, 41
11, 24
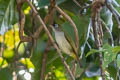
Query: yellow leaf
8, 53
3, 63
27, 62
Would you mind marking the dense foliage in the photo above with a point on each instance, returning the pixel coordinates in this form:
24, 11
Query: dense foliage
26, 54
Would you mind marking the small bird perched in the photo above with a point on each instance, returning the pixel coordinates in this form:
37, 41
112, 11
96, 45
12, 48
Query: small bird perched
65, 43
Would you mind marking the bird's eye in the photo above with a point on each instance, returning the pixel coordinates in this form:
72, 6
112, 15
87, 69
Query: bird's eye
55, 25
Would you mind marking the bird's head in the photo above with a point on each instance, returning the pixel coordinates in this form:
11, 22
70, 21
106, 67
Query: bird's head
56, 27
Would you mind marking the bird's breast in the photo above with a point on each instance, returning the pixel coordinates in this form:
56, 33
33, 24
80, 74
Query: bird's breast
63, 43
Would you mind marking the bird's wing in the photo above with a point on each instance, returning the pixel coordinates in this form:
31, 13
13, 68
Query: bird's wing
69, 39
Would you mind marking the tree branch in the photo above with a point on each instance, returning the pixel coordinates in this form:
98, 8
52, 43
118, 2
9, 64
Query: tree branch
22, 22
97, 30
52, 40
44, 59
108, 30
77, 3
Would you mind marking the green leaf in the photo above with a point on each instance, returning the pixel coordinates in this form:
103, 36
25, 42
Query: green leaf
8, 54
116, 49
37, 57
112, 70
72, 6
6, 74
92, 51
107, 55
118, 60
43, 3
59, 73
110, 53
7, 14
81, 23
3, 63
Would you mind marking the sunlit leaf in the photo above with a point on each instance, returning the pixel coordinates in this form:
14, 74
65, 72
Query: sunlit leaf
27, 62
108, 77
11, 37
1, 38
21, 49
8, 54
110, 53
91, 78
60, 74
116, 49
3, 63
27, 10
107, 54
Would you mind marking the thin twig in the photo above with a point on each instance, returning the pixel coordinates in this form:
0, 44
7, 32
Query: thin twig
86, 40
16, 51
46, 19
110, 33
2, 46
52, 41
115, 13
74, 66
44, 59
22, 22
77, 3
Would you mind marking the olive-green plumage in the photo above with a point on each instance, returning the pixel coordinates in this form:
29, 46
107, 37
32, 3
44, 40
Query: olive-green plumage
64, 42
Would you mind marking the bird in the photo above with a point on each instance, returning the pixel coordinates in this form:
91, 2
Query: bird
65, 42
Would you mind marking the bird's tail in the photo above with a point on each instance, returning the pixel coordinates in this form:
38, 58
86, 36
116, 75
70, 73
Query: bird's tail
77, 59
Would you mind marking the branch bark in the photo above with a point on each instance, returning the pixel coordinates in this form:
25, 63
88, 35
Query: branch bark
44, 59
22, 22
97, 30
52, 40
77, 3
